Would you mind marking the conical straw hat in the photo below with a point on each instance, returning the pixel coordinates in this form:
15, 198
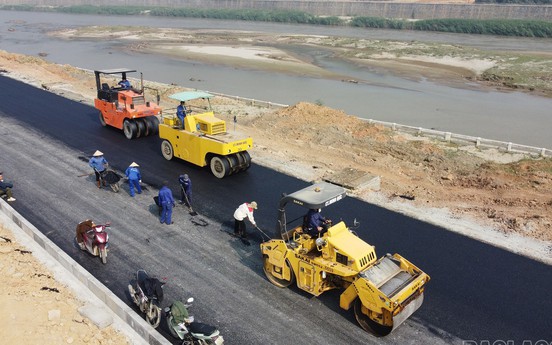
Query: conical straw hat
98, 153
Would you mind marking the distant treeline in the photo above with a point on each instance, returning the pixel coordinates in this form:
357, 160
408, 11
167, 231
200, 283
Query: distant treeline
503, 27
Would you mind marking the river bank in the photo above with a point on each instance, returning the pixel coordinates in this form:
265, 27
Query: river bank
445, 63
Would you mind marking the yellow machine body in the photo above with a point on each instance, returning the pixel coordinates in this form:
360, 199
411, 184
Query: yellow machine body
204, 141
384, 292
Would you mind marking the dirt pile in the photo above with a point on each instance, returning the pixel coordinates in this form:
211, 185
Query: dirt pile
513, 197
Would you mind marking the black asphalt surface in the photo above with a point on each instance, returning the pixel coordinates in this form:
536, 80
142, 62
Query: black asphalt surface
477, 292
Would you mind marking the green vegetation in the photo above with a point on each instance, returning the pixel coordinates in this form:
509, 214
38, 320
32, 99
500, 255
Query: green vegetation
278, 16
501, 27
523, 28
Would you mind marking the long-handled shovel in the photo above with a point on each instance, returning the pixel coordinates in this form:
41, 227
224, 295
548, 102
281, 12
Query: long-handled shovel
192, 212
262, 232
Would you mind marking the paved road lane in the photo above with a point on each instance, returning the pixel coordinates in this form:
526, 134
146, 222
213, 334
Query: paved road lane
477, 291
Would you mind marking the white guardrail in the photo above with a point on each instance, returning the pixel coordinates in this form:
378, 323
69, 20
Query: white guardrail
424, 132
466, 139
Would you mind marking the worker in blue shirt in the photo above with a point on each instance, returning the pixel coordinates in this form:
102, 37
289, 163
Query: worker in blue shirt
181, 113
125, 84
99, 164
185, 189
166, 201
317, 224
134, 178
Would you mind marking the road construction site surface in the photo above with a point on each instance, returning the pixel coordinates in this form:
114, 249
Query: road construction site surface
477, 291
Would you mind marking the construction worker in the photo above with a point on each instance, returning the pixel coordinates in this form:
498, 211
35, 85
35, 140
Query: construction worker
316, 223
185, 189
134, 178
243, 211
181, 113
82, 228
99, 164
166, 201
5, 188
125, 84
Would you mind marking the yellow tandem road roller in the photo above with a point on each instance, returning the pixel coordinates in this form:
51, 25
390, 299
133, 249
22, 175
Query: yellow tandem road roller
202, 139
383, 292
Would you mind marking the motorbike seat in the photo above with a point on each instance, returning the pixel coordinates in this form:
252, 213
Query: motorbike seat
202, 328
152, 287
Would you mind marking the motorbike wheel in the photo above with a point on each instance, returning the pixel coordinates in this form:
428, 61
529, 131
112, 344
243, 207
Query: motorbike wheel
103, 255
132, 293
143, 307
188, 340
153, 316
170, 326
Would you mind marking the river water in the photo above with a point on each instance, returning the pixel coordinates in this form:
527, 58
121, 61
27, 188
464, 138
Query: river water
508, 116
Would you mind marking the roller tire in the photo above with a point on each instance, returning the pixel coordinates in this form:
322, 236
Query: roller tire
220, 166
167, 150
234, 162
142, 128
368, 324
130, 129
153, 124
268, 269
247, 158
102, 120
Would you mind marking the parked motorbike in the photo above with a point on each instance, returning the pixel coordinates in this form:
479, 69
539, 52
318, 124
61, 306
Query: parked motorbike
95, 238
181, 325
147, 294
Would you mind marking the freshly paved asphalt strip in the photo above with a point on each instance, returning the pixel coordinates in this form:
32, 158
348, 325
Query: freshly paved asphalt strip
477, 291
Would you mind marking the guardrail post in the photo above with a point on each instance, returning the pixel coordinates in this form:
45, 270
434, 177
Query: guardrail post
419, 131
477, 142
447, 136
543, 152
394, 126
509, 148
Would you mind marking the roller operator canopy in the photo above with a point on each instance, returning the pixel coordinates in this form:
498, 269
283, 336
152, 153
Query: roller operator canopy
318, 195
189, 95
115, 71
